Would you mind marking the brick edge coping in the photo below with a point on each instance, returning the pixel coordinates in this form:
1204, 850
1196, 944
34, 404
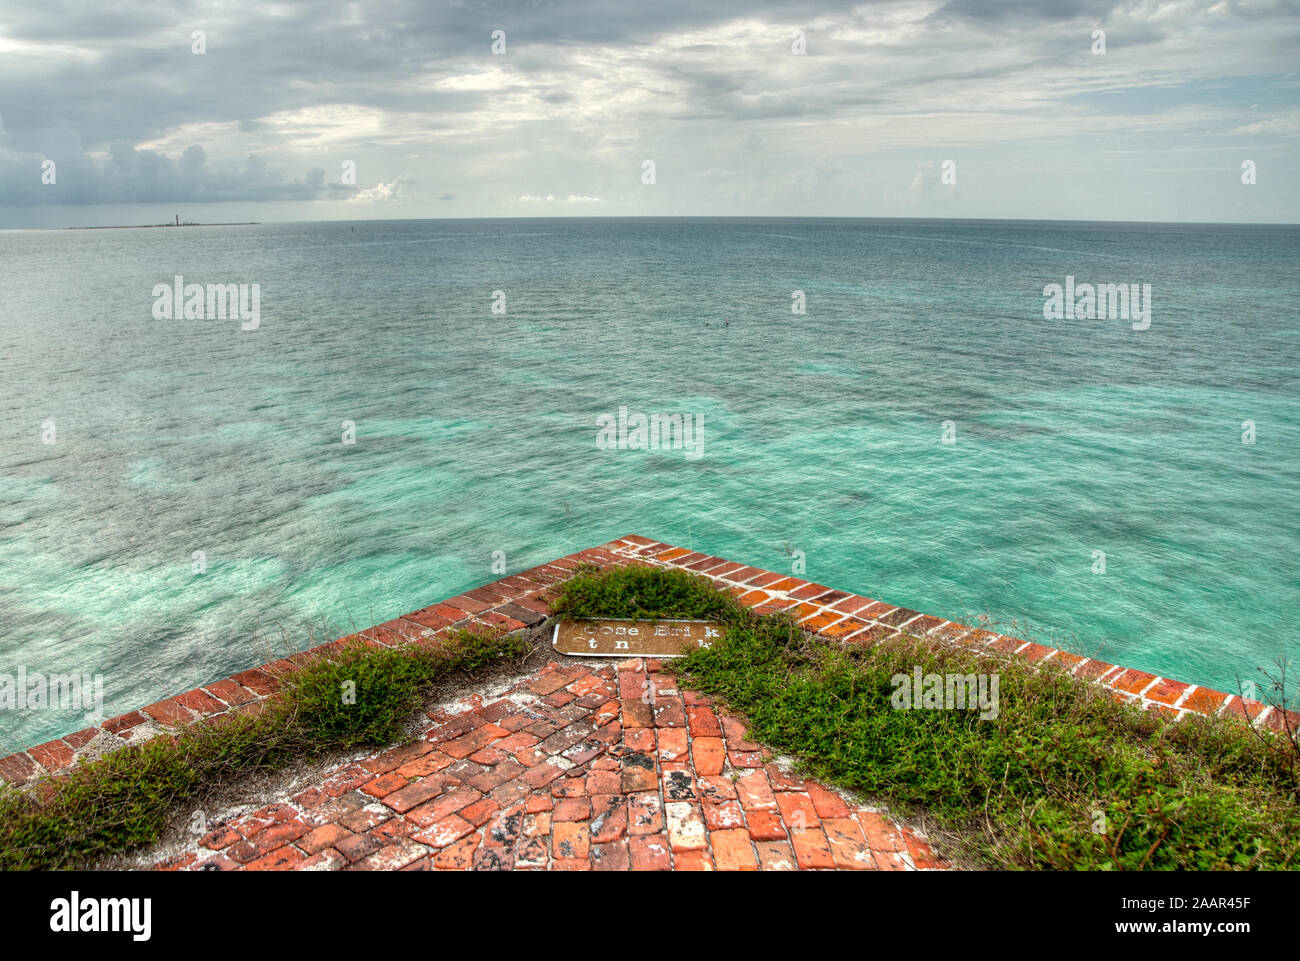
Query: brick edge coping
524, 600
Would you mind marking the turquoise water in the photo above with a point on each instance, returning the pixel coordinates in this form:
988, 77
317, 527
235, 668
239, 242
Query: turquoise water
476, 432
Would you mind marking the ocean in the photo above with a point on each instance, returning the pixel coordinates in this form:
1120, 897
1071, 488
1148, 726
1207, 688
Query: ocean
181, 499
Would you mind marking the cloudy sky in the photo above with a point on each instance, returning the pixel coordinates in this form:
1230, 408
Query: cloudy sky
262, 125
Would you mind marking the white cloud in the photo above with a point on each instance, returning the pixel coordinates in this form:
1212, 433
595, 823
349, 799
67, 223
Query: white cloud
1289, 123
551, 198
381, 192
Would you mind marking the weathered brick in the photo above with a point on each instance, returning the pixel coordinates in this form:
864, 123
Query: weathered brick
443, 832
827, 803
547, 683
639, 774
692, 860
644, 813
848, 845
200, 702
384, 785
392, 857
570, 840
395, 758
480, 812
685, 825
79, 739
545, 772
364, 819
572, 809
415, 794
733, 851
475, 740
724, 816
494, 857
1204, 700
715, 789
881, 833
257, 681
766, 826
650, 852
220, 837
603, 782
441, 807
613, 856
457, 856
467, 604
230, 692
608, 817
168, 712
52, 755
281, 859
754, 791
775, 856
811, 849
709, 754
326, 836
703, 722
326, 860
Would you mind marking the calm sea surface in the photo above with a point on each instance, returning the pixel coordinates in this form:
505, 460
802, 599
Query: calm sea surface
476, 432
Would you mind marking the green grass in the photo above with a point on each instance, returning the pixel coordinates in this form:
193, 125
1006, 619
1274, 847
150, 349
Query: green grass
1024, 790
123, 799
643, 593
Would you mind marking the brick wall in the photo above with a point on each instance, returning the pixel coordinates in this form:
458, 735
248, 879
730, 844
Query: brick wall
524, 599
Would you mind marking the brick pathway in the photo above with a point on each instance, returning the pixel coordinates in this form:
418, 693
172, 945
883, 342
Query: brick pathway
580, 767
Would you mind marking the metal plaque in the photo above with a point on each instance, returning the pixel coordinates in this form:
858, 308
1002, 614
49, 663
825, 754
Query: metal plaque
616, 638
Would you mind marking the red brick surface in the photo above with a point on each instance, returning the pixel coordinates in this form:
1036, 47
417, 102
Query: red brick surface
594, 795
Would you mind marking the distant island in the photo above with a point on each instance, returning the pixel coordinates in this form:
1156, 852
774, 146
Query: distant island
178, 223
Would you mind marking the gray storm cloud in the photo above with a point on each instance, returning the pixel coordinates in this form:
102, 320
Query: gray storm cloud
412, 95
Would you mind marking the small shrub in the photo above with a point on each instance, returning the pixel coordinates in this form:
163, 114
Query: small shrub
121, 800
644, 593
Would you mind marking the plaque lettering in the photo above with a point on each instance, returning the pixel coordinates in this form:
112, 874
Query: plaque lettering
625, 638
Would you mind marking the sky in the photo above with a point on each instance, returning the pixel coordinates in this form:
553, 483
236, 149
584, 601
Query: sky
119, 113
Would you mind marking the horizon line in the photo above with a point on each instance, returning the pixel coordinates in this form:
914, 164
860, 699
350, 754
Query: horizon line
698, 217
